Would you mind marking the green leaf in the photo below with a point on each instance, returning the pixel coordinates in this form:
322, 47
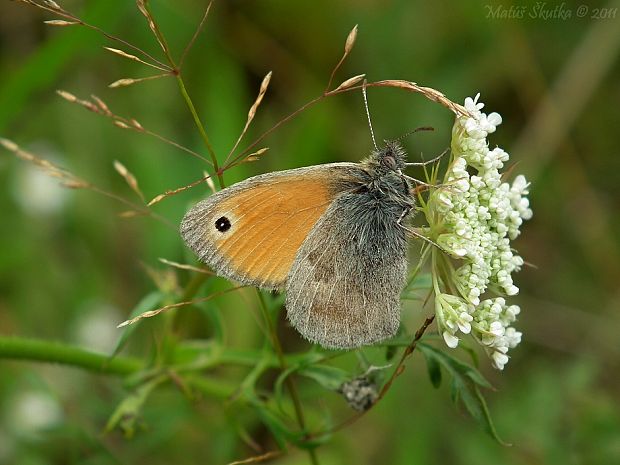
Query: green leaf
280, 431
418, 286
476, 405
464, 387
489, 426
213, 313
400, 339
248, 385
327, 376
304, 362
420, 282
149, 302
128, 411
454, 392
454, 365
194, 355
434, 371
278, 388
470, 350
468, 398
390, 352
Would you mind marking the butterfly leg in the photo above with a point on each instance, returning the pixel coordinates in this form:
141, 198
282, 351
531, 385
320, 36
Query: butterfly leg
417, 181
422, 186
414, 233
432, 160
424, 163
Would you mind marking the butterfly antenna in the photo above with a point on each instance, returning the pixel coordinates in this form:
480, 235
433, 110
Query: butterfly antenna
413, 131
372, 133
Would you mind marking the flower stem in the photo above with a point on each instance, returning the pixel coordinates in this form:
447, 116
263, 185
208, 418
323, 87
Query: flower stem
194, 286
161, 39
201, 130
54, 352
290, 384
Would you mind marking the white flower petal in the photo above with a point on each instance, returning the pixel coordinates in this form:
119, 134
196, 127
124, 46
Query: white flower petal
479, 215
451, 340
499, 360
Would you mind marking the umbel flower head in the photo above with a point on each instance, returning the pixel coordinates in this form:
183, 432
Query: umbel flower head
474, 216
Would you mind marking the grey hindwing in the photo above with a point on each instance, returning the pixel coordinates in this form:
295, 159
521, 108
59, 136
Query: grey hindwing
343, 290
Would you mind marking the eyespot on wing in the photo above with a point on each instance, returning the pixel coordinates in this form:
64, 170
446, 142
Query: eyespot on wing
251, 231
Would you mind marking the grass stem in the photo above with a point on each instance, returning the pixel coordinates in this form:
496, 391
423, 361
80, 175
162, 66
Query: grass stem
64, 354
290, 383
201, 130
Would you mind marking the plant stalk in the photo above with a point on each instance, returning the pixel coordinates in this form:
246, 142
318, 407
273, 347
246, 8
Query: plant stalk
201, 130
161, 39
290, 384
54, 352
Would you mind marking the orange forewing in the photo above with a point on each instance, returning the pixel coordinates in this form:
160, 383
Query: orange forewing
272, 222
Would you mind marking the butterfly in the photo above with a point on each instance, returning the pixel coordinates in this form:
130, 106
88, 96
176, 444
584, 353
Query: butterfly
333, 236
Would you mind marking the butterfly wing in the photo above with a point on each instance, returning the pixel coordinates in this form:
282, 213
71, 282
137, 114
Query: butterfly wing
344, 287
251, 231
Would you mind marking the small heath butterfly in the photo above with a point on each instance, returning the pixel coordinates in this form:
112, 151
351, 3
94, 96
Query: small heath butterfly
331, 235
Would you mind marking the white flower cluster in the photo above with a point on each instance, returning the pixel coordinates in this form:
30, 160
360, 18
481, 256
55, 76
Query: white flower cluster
477, 215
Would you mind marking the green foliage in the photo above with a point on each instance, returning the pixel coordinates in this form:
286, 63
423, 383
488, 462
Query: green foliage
127, 413
150, 302
465, 385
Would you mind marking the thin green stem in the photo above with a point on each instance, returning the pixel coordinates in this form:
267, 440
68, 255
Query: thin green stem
290, 384
447, 271
212, 388
421, 263
54, 352
161, 39
201, 129
410, 347
435, 272
194, 286
191, 289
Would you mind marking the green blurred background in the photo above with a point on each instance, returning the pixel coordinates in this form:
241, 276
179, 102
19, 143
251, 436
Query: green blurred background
71, 269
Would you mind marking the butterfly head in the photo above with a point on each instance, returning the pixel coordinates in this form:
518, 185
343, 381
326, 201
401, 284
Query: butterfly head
391, 157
